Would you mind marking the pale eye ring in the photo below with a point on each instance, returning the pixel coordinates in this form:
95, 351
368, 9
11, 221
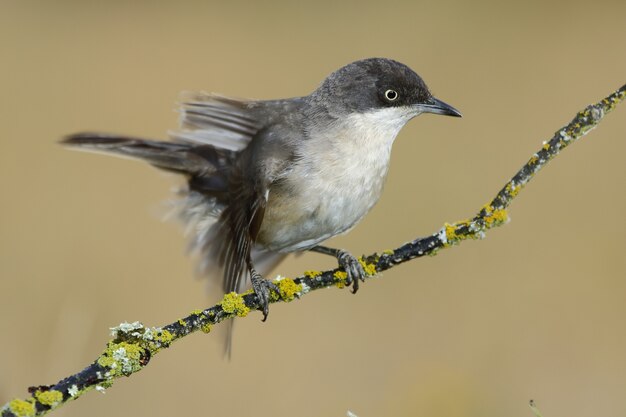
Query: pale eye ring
391, 95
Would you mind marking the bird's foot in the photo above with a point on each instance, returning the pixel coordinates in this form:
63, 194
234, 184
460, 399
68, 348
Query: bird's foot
353, 268
263, 290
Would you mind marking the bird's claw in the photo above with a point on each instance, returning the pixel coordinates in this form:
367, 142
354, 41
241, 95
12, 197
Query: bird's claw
263, 290
353, 268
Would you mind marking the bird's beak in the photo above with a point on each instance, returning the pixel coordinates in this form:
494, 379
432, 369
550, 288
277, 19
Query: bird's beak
436, 106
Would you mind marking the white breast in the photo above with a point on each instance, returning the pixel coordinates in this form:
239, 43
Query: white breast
339, 179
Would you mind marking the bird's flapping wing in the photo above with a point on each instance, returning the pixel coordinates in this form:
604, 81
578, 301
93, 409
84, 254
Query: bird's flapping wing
212, 119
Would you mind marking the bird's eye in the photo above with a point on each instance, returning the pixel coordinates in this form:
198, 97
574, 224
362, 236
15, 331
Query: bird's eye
391, 95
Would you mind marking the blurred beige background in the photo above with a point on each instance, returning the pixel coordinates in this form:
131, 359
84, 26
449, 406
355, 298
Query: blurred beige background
537, 310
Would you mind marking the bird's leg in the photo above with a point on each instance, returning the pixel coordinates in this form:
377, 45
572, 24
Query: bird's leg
262, 288
348, 262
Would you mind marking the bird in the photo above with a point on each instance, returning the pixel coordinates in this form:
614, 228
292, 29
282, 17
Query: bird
265, 178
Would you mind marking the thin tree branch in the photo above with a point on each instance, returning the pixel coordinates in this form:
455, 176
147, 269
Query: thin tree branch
133, 345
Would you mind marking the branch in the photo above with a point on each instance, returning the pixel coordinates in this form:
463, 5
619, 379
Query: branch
133, 345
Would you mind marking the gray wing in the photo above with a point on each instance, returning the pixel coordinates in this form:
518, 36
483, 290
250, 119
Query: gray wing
231, 151
214, 131
263, 164
212, 119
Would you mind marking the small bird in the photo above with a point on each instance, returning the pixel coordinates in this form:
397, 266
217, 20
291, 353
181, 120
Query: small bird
269, 177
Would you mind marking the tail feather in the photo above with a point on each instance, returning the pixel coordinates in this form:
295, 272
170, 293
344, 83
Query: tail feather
177, 157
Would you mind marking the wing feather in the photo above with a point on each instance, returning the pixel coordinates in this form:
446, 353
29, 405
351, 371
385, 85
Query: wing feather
212, 119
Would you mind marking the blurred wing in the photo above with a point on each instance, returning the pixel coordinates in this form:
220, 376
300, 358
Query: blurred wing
211, 119
243, 217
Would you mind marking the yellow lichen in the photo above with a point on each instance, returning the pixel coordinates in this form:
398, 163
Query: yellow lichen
388, 252
494, 217
533, 160
513, 190
468, 229
206, 327
369, 268
182, 322
133, 351
274, 296
500, 215
123, 357
288, 288
162, 338
341, 276
452, 237
22, 408
106, 361
197, 312
233, 303
50, 398
312, 274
